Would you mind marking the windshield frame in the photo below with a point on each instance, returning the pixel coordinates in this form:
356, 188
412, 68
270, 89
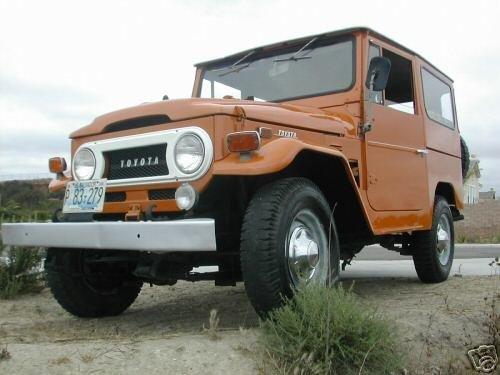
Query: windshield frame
262, 53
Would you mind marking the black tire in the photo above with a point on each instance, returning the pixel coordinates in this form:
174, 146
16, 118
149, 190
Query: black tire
424, 246
465, 155
264, 240
83, 295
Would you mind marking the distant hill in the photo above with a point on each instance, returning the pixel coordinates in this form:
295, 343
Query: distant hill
26, 198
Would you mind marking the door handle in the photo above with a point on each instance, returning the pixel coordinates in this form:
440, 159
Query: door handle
422, 152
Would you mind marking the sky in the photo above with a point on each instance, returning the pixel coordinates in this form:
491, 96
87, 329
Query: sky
63, 63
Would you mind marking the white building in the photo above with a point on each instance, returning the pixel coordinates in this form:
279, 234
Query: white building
471, 183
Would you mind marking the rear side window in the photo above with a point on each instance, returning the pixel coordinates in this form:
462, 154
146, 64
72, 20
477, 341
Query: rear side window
437, 100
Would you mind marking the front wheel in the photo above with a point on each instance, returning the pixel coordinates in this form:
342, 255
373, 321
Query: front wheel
433, 249
86, 290
288, 241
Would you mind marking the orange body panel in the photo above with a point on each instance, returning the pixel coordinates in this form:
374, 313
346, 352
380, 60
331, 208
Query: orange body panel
397, 184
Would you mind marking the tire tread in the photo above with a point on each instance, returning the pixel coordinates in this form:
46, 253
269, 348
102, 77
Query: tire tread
424, 247
75, 296
264, 282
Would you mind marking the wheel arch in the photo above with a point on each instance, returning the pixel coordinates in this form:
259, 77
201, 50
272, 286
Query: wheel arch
445, 189
292, 158
448, 192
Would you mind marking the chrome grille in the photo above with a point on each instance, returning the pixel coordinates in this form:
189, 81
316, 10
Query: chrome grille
115, 196
161, 194
146, 161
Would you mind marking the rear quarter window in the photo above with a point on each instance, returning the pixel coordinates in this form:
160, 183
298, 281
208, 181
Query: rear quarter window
438, 100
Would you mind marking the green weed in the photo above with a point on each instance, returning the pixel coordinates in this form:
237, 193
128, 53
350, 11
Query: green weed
20, 271
329, 331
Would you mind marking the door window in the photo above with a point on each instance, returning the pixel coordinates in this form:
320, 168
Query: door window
399, 90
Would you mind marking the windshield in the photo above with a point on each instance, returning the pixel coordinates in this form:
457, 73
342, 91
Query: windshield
320, 70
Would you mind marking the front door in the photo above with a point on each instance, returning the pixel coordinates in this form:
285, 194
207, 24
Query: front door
395, 147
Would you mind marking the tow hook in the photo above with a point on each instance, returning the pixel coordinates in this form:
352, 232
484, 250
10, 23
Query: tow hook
134, 214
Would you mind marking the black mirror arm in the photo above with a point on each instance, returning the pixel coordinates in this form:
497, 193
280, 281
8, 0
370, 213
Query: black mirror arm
376, 80
366, 126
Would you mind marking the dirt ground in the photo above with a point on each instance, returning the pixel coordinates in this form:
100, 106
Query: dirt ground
163, 331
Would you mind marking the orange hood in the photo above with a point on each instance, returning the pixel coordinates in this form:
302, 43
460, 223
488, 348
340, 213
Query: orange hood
184, 109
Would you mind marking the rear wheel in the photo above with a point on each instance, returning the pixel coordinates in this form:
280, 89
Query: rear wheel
433, 249
287, 241
84, 291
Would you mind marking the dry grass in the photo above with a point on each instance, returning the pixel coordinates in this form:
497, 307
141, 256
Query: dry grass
493, 315
87, 358
475, 238
60, 361
213, 325
4, 354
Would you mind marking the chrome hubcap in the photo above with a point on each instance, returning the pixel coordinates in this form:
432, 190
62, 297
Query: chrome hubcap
443, 245
307, 250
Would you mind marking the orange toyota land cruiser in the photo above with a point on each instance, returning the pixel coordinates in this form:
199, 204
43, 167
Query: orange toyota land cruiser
287, 160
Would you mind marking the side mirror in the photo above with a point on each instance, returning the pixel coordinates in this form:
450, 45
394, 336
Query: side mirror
378, 73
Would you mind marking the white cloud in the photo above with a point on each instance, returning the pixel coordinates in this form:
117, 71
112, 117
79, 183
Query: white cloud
86, 58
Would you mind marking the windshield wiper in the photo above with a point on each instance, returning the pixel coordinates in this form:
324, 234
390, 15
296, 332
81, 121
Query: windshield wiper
237, 66
295, 56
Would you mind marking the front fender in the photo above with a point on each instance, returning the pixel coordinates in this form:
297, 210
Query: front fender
270, 158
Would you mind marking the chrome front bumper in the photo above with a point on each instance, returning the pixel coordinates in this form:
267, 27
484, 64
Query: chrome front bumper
155, 236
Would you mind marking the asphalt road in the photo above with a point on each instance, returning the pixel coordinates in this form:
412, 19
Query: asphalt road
466, 251
377, 262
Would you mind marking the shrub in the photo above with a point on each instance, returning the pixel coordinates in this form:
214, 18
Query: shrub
496, 239
20, 271
328, 331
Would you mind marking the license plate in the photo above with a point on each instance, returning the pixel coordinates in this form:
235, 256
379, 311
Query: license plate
84, 196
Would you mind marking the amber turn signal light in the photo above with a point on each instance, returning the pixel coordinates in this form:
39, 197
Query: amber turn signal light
57, 165
243, 141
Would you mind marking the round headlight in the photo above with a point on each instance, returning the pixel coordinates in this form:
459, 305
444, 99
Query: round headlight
189, 153
84, 164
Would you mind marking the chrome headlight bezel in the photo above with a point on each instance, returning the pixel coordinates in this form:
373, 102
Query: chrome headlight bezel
186, 166
75, 166
169, 136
